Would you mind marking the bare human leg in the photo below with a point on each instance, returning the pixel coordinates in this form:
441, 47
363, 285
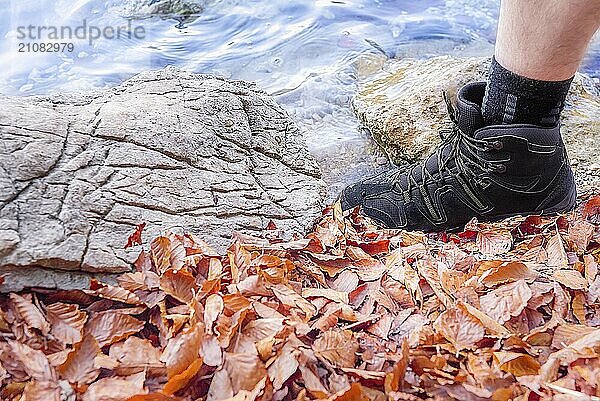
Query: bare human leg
545, 39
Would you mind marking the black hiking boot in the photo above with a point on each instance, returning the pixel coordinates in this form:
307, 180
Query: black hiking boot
488, 172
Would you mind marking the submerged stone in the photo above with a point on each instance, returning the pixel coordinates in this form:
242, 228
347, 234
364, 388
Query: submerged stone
402, 106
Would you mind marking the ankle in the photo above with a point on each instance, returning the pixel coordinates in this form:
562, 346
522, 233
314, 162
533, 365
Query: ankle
514, 99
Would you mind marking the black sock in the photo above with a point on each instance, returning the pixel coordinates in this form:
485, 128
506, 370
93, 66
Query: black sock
513, 99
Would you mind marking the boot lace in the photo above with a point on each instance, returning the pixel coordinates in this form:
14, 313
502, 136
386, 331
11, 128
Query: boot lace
464, 153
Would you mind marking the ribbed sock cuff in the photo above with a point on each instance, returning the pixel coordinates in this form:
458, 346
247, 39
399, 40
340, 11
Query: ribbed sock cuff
511, 98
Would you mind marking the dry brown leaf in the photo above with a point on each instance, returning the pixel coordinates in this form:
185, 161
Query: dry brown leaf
151, 397
570, 278
460, 328
494, 242
263, 328
290, 298
30, 313
35, 363
581, 232
591, 268
337, 347
430, 269
210, 350
220, 386
491, 325
182, 350
507, 272
116, 388
245, 371
180, 284
177, 253
135, 355
333, 295
79, 366
557, 255
42, 391
212, 309
111, 326
144, 280
517, 364
67, 321
284, 366
181, 380
394, 380
506, 301
578, 307
160, 251
113, 293
566, 334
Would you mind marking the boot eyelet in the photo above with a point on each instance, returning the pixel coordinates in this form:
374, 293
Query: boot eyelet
497, 145
500, 168
363, 193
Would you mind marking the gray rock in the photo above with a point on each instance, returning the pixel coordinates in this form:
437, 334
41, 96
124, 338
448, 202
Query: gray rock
169, 148
402, 106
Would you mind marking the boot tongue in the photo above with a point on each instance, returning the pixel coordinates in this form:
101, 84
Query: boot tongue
468, 107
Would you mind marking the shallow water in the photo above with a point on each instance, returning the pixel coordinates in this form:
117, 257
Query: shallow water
306, 53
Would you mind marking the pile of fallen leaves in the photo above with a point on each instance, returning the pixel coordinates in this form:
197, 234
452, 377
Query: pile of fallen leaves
503, 311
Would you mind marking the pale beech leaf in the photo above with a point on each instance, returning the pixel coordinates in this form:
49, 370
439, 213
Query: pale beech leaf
111, 326
506, 301
460, 328
67, 321
30, 313
337, 347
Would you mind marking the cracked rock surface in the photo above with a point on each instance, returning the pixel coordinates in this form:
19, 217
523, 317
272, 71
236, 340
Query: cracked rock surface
168, 148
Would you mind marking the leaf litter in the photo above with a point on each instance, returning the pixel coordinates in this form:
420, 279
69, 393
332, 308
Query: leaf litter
499, 311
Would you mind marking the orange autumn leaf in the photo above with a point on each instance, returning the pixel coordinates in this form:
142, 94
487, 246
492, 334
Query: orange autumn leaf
337, 347
354, 393
180, 380
136, 237
160, 251
115, 388
591, 210
111, 326
507, 272
79, 366
30, 313
180, 284
182, 351
517, 364
460, 328
67, 321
